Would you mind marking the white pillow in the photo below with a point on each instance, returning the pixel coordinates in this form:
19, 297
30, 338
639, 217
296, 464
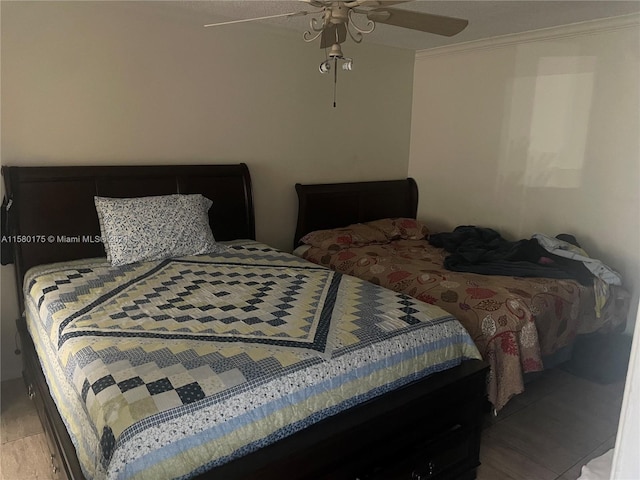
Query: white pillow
154, 228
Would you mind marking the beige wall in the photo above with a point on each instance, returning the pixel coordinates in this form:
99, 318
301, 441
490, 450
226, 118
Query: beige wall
127, 82
535, 133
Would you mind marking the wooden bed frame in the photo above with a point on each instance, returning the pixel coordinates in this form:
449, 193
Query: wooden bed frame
429, 429
336, 205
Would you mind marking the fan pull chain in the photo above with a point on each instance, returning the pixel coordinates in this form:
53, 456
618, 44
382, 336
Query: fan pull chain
335, 80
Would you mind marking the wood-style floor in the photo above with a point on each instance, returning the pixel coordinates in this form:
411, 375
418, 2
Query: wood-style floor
547, 433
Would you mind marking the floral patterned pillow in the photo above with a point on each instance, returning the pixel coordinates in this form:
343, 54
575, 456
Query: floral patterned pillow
400, 228
154, 228
338, 238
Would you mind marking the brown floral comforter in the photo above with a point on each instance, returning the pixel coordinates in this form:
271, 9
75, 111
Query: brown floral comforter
514, 321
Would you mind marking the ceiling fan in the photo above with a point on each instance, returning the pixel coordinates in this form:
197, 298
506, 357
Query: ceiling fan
333, 21
336, 19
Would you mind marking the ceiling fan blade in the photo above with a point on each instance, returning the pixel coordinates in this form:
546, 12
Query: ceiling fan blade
425, 22
374, 3
254, 19
332, 34
316, 3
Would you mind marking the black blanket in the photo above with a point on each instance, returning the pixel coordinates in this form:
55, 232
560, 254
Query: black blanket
483, 250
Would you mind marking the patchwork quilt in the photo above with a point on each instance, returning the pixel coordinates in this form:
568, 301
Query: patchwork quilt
169, 368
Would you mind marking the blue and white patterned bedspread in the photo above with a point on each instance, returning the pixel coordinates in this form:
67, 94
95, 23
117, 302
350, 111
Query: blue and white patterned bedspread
166, 369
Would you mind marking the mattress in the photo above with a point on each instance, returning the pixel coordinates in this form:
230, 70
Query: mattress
167, 369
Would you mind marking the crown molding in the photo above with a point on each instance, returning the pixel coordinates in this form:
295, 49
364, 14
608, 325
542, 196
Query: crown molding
563, 31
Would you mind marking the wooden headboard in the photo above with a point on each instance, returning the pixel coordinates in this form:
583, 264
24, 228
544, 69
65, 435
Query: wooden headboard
333, 205
52, 207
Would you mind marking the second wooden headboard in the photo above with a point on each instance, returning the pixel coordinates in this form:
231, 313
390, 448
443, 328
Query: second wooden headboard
333, 205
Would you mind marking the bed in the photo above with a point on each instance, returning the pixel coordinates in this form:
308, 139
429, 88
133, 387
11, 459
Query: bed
520, 325
235, 363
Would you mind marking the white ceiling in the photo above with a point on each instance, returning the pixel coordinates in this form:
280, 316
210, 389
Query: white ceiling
486, 18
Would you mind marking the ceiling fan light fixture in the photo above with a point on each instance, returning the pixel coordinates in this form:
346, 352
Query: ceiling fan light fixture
348, 64
325, 67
